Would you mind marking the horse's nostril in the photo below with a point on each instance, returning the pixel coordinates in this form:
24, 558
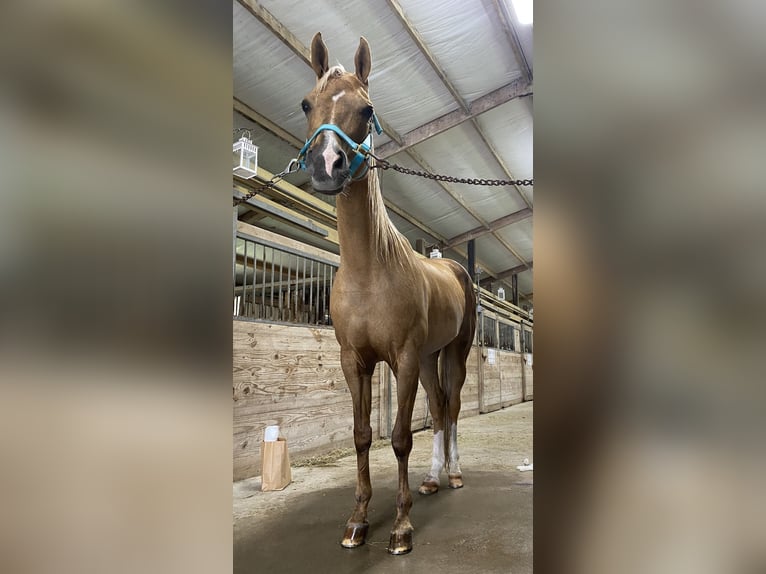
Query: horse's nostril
338, 163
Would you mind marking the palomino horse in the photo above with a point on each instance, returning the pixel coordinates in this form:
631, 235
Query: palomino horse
388, 303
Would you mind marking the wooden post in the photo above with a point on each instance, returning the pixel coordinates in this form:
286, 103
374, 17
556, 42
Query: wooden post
515, 289
472, 259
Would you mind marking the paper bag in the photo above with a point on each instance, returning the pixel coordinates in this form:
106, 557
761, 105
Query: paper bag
275, 465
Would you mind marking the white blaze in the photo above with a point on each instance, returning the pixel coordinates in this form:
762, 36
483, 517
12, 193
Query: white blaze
328, 153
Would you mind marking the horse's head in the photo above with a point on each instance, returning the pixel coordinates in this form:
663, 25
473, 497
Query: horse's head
340, 119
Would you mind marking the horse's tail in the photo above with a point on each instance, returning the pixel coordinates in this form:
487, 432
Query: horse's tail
455, 354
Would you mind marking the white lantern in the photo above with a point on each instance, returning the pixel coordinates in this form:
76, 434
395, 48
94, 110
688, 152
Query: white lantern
245, 158
501, 294
436, 254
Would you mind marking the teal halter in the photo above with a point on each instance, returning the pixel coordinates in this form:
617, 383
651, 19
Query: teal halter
361, 149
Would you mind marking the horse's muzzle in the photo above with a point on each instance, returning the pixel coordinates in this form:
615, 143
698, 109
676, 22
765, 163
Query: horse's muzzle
327, 164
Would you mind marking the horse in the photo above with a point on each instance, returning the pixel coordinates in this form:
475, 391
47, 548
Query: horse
388, 303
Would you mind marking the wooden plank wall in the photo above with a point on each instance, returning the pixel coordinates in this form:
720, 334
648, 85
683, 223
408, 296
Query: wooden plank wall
510, 377
469, 397
528, 382
290, 375
491, 395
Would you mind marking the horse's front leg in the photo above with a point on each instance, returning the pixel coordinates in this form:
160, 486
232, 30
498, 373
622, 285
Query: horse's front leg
358, 378
401, 440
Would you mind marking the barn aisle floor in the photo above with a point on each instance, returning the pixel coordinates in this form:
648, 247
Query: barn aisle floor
484, 527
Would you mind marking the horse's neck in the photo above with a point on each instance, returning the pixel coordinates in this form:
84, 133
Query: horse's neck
356, 227
358, 222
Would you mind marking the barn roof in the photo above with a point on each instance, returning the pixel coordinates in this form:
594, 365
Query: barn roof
451, 82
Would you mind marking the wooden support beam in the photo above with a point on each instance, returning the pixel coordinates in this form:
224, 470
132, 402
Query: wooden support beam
286, 193
288, 215
277, 28
516, 89
266, 124
399, 12
506, 21
503, 275
491, 226
500, 162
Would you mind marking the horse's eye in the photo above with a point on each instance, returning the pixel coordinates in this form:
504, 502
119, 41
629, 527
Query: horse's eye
367, 112
305, 106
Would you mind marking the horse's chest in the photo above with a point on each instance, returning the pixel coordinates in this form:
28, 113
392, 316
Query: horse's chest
373, 317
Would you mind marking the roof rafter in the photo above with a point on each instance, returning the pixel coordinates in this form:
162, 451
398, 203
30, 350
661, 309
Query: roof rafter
266, 123
397, 9
491, 226
513, 39
516, 89
503, 275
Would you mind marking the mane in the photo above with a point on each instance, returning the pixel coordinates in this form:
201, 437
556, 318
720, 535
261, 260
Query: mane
390, 245
333, 71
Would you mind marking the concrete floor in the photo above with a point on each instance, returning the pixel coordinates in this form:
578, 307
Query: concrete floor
484, 527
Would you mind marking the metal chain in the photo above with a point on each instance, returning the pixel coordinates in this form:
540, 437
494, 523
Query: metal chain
383, 164
292, 167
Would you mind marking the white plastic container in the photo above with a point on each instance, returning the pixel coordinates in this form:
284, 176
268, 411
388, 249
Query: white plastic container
271, 433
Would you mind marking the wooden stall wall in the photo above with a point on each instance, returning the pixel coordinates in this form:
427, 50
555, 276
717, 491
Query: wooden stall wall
469, 397
290, 375
491, 398
510, 377
528, 383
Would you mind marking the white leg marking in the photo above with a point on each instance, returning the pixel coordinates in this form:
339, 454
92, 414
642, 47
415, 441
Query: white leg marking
437, 463
454, 465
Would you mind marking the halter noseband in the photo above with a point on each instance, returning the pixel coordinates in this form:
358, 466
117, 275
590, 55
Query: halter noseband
361, 149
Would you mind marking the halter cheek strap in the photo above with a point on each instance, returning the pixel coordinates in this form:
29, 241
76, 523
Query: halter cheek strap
361, 149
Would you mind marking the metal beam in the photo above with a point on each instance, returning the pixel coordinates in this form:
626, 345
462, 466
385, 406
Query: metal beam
516, 89
491, 226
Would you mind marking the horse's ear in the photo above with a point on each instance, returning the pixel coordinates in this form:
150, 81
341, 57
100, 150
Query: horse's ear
319, 55
362, 60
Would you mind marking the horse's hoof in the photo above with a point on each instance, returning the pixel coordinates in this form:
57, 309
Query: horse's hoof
429, 487
400, 543
355, 535
456, 481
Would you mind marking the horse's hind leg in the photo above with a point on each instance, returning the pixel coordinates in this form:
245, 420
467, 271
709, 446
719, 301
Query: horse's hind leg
453, 372
358, 379
429, 377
